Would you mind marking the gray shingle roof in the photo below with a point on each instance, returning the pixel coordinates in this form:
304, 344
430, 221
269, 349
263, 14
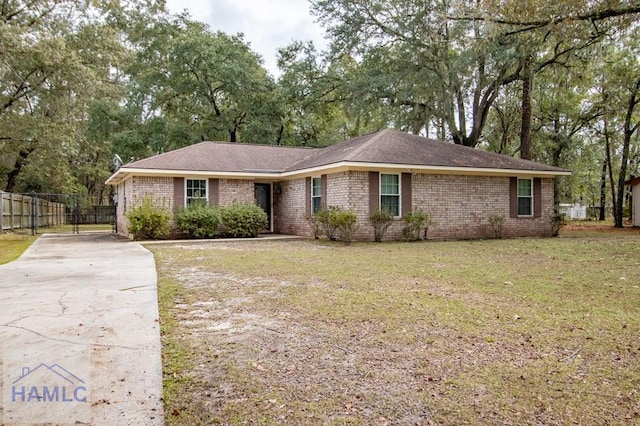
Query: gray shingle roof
384, 147
394, 147
225, 157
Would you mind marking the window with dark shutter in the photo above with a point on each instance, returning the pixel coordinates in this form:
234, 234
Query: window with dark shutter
214, 192
406, 194
196, 192
307, 197
513, 197
323, 188
390, 193
525, 197
537, 197
374, 192
178, 193
316, 195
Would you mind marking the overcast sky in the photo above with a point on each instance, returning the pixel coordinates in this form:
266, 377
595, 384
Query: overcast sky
266, 24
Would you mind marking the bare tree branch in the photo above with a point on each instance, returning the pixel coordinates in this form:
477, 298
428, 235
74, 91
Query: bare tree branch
593, 16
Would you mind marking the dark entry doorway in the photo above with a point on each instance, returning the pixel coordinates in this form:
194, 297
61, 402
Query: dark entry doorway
263, 199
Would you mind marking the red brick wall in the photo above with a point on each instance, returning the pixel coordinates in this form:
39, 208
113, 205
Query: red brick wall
346, 189
460, 205
132, 192
289, 208
124, 192
238, 190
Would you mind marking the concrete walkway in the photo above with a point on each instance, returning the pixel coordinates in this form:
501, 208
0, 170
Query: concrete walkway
79, 330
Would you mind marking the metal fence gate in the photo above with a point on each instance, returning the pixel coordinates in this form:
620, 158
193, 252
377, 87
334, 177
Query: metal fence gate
57, 213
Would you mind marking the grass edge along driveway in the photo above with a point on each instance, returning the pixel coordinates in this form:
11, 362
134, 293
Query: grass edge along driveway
13, 245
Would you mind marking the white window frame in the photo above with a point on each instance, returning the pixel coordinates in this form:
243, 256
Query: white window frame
317, 196
530, 197
399, 194
186, 190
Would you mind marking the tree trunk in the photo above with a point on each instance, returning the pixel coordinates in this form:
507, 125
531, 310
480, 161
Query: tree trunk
618, 219
12, 176
525, 131
607, 144
603, 191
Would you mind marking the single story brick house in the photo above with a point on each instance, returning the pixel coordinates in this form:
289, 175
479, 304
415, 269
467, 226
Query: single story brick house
460, 187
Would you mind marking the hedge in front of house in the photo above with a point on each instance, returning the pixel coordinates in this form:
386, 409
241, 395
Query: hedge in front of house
149, 220
199, 220
338, 223
243, 220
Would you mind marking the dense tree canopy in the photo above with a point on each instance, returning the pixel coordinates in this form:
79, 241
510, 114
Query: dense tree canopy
56, 58
557, 82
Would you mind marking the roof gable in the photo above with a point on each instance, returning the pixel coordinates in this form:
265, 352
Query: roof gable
395, 147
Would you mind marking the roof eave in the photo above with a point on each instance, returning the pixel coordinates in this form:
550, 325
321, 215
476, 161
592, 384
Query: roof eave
124, 172
342, 166
416, 168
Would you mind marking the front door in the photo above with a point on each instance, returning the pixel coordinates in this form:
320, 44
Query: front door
263, 199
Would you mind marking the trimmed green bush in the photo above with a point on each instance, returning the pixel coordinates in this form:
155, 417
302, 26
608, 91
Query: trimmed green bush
381, 221
199, 220
338, 223
148, 221
243, 220
347, 225
326, 223
417, 224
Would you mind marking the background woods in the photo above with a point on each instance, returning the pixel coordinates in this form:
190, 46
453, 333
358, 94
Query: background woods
557, 82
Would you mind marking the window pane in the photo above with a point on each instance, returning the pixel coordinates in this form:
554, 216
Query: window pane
196, 191
316, 187
524, 187
316, 204
390, 203
524, 206
389, 184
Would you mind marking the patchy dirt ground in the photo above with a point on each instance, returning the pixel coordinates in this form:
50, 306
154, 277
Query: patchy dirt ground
597, 226
410, 349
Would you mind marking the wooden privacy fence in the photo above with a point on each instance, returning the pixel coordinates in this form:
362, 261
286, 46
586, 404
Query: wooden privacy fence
19, 211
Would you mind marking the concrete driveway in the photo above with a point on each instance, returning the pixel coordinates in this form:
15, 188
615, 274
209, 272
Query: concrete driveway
79, 330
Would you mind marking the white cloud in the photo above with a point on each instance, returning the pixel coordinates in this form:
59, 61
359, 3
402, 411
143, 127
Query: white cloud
266, 24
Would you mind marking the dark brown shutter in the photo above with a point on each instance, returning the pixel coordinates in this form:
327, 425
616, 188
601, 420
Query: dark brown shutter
323, 190
537, 197
406, 193
374, 192
178, 193
307, 197
214, 192
513, 197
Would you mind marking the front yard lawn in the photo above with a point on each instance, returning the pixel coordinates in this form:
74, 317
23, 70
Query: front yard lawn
520, 331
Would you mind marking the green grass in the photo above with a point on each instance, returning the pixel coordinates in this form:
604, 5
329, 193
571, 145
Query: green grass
520, 331
13, 245
64, 229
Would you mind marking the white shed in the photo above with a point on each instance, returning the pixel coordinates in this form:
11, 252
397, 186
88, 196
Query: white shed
574, 211
635, 196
